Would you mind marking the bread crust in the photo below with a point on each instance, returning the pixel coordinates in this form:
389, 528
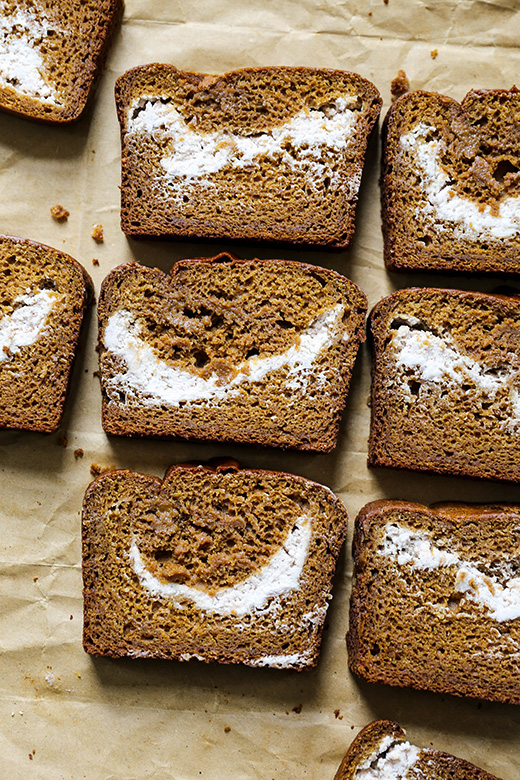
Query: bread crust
470, 132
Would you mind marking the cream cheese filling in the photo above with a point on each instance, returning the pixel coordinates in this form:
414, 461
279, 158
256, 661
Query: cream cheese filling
279, 576
22, 66
390, 761
298, 143
437, 360
416, 549
472, 220
27, 322
157, 382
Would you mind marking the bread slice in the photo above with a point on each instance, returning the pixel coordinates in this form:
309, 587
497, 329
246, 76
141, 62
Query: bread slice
381, 752
220, 564
44, 296
271, 154
257, 351
436, 598
446, 383
451, 182
52, 54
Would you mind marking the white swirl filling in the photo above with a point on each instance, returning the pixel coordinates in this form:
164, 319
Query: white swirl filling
299, 143
416, 549
27, 322
390, 761
157, 382
22, 66
277, 577
437, 361
472, 220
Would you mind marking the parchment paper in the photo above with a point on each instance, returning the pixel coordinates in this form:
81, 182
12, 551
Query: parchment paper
65, 715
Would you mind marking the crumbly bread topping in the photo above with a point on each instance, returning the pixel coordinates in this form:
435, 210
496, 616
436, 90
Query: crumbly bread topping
446, 396
451, 182
257, 351
227, 565
265, 153
44, 296
436, 598
381, 752
52, 54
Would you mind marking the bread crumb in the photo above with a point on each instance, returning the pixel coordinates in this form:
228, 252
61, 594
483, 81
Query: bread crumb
96, 373
297, 709
59, 213
386, 2
227, 729
78, 675
434, 53
35, 579
370, 13
96, 469
78, 453
71, 617
337, 714
62, 441
31, 756
95, 261
97, 233
399, 85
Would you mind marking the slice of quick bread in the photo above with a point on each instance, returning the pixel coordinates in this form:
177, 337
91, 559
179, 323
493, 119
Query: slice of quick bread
381, 752
257, 351
451, 182
44, 296
446, 383
436, 598
52, 53
219, 564
272, 154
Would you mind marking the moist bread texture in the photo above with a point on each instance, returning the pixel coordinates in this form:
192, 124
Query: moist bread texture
446, 383
52, 54
219, 564
381, 752
436, 598
257, 351
267, 154
44, 296
451, 182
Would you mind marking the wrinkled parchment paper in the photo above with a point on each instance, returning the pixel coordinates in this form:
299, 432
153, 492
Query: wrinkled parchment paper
66, 715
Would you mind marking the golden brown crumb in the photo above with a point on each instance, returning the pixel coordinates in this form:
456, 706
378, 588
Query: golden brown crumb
59, 213
96, 373
370, 13
62, 441
97, 233
337, 714
78, 453
95, 261
35, 579
298, 708
96, 469
31, 756
399, 85
227, 729
433, 54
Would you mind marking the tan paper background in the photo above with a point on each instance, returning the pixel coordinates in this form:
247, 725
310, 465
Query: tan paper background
124, 720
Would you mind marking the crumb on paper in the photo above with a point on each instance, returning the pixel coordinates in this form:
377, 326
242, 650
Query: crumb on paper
399, 85
59, 213
337, 714
96, 469
96, 373
31, 756
386, 2
62, 441
434, 53
71, 617
370, 13
78, 453
35, 579
78, 675
95, 261
97, 233
227, 729
298, 708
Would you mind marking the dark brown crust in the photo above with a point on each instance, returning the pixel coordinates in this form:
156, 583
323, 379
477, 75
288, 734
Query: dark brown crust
439, 766
402, 249
138, 423
46, 416
164, 78
454, 671
101, 635
89, 69
383, 399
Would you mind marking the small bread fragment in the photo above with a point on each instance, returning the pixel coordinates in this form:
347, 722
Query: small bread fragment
256, 351
446, 383
52, 54
436, 598
450, 184
267, 154
44, 296
381, 752
219, 564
